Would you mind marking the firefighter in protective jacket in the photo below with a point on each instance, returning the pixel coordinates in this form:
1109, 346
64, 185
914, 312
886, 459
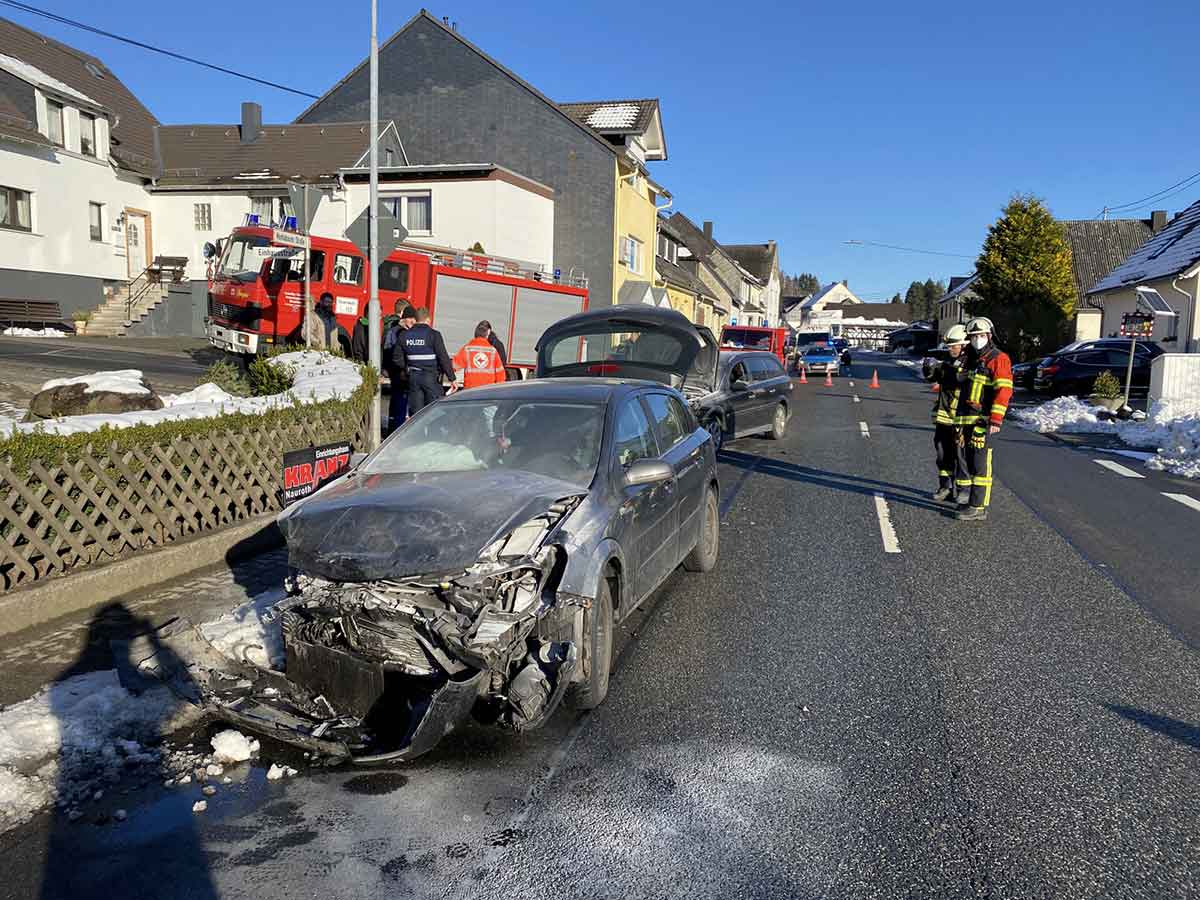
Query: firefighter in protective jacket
947, 376
983, 401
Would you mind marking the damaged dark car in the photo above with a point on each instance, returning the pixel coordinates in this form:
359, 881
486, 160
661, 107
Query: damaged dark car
476, 564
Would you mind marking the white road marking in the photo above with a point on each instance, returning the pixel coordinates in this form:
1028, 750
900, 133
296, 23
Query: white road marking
856, 399
886, 531
866, 432
851, 384
1118, 468
1185, 499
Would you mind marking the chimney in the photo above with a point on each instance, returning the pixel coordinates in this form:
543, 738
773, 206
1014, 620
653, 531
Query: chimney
708, 230
251, 122
1158, 221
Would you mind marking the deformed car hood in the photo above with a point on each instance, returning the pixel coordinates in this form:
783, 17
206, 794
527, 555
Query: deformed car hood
371, 526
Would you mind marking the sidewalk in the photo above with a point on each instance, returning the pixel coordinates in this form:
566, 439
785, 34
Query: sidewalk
32, 658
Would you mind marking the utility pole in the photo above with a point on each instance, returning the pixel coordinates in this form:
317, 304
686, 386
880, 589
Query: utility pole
308, 307
374, 339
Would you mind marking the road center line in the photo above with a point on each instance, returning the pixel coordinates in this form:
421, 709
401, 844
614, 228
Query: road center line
886, 531
866, 432
1118, 468
1185, 499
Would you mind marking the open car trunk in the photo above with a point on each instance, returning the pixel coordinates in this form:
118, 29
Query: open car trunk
631, 341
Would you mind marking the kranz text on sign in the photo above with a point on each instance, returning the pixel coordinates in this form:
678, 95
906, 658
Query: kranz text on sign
307, 470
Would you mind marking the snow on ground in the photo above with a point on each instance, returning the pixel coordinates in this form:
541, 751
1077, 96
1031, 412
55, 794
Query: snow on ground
78, 735
316, 377
15, 331
1172, 427
907, 363
118, 381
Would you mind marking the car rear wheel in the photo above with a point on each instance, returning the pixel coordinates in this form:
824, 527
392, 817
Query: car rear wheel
779, 423
703, 557
595, 660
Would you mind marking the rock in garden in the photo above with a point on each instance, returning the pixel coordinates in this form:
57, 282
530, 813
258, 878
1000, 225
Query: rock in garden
101, 392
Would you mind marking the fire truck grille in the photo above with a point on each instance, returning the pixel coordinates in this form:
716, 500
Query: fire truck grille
237, 315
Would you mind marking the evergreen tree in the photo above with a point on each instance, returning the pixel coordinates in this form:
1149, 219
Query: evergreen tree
896, 298
914, 298
800, 285
1025, 282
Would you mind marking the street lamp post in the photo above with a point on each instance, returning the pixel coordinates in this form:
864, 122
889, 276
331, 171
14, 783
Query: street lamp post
373, 318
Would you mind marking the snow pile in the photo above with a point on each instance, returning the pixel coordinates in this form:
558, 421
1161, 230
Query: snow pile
230, 746
316, 377
1066, 414
118, 381
75, 735
1173, 426
15, 331
251, 632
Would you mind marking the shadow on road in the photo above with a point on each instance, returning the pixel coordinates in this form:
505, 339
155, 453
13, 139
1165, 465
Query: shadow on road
73, 868
839, 481
1175, 729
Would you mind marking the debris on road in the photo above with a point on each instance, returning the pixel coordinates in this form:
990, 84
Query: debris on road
199, 806
231, 746
276, 772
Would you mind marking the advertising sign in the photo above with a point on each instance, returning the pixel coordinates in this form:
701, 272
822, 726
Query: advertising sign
305, 471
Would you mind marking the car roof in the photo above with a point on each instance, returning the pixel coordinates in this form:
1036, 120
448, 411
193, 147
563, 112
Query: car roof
591, 390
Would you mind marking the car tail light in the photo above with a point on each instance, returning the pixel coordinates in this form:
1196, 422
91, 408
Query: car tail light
1047, 370
603, 369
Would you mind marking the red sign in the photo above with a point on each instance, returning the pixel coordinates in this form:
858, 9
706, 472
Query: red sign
306, 471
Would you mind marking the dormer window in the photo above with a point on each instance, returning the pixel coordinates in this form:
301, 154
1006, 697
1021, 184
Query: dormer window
87, 135
54, 123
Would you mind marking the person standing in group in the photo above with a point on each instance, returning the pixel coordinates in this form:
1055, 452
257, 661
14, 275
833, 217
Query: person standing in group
402, 319
422, 352
478, 359
331, 334
983, 401
954, 482
496, 342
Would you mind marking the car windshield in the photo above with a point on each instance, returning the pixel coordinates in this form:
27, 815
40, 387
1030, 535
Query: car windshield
746, 337
244, 257
561, 440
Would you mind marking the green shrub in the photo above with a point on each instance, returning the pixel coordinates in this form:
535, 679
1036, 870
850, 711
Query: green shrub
228, 377
266, 379
1107, 387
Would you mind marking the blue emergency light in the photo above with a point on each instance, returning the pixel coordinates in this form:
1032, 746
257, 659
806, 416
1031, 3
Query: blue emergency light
289, 223
251, 219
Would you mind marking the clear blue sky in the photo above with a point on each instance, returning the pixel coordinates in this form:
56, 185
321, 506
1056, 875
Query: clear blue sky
907, 124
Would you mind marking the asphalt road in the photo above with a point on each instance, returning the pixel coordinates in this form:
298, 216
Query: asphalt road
994, 710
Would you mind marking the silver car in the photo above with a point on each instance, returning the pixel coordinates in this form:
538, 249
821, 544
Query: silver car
477, 562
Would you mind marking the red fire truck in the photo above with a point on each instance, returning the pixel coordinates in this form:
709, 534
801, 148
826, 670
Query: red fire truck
754, 337
256, 291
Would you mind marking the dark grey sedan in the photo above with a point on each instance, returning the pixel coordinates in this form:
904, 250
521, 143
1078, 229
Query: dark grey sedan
752, 394
477, 562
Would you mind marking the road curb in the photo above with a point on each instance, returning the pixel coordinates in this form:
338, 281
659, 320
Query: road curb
94, 587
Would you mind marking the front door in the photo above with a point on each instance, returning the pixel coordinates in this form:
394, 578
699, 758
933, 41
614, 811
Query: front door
137, 241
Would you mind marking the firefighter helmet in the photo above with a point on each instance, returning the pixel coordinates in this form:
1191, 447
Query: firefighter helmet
979, 325
956, 335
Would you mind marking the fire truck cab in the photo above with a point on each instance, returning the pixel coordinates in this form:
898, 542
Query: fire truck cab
256, 292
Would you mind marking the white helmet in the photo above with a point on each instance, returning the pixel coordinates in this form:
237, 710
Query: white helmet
956, 335
980, 325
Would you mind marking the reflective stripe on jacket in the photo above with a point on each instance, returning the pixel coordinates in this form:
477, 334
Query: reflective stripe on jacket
989, 386
479, 362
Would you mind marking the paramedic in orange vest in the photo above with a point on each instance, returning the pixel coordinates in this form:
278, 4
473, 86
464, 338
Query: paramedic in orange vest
478, 360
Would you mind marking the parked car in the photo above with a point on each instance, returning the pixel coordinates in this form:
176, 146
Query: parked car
1024, 372
821, 360
752, 395
477, 562
1073, 370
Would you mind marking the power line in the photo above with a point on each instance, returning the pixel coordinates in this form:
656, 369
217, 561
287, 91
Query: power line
1153, 198
908, 249
116, 37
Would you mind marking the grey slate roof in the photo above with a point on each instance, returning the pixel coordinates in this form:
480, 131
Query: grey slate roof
678, 276
959, 285
132, 137
1173, 250
641, 114
215, 155
757, 259
685, 231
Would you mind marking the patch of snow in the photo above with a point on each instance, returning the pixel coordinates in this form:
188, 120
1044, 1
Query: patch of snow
34, 75
118, 381
316, 377
18, 331
199, 806
231, 746
276, 772
251, 632
1066, 414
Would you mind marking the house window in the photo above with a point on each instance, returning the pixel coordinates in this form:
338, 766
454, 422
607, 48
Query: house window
54, 122
14, 209
96, 221
668, 249
87, 135
202, 216
414, 211
631, 254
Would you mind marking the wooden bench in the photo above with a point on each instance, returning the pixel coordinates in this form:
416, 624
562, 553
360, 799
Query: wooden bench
30, 313
167, 268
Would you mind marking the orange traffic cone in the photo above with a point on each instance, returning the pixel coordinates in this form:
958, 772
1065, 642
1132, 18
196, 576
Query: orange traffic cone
828, 379
874, 378
803, 375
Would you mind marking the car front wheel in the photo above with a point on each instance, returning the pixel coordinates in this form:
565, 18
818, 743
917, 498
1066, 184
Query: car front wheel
595, 660
715, 431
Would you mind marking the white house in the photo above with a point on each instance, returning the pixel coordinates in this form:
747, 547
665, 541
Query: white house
813, 309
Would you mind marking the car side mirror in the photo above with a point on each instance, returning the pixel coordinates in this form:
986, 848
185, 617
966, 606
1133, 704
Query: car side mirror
648, 471
741, 385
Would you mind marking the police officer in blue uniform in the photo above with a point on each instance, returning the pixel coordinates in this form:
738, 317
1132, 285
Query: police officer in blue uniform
422, 352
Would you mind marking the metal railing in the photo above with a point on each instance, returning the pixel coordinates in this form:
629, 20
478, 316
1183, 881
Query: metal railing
152, 277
